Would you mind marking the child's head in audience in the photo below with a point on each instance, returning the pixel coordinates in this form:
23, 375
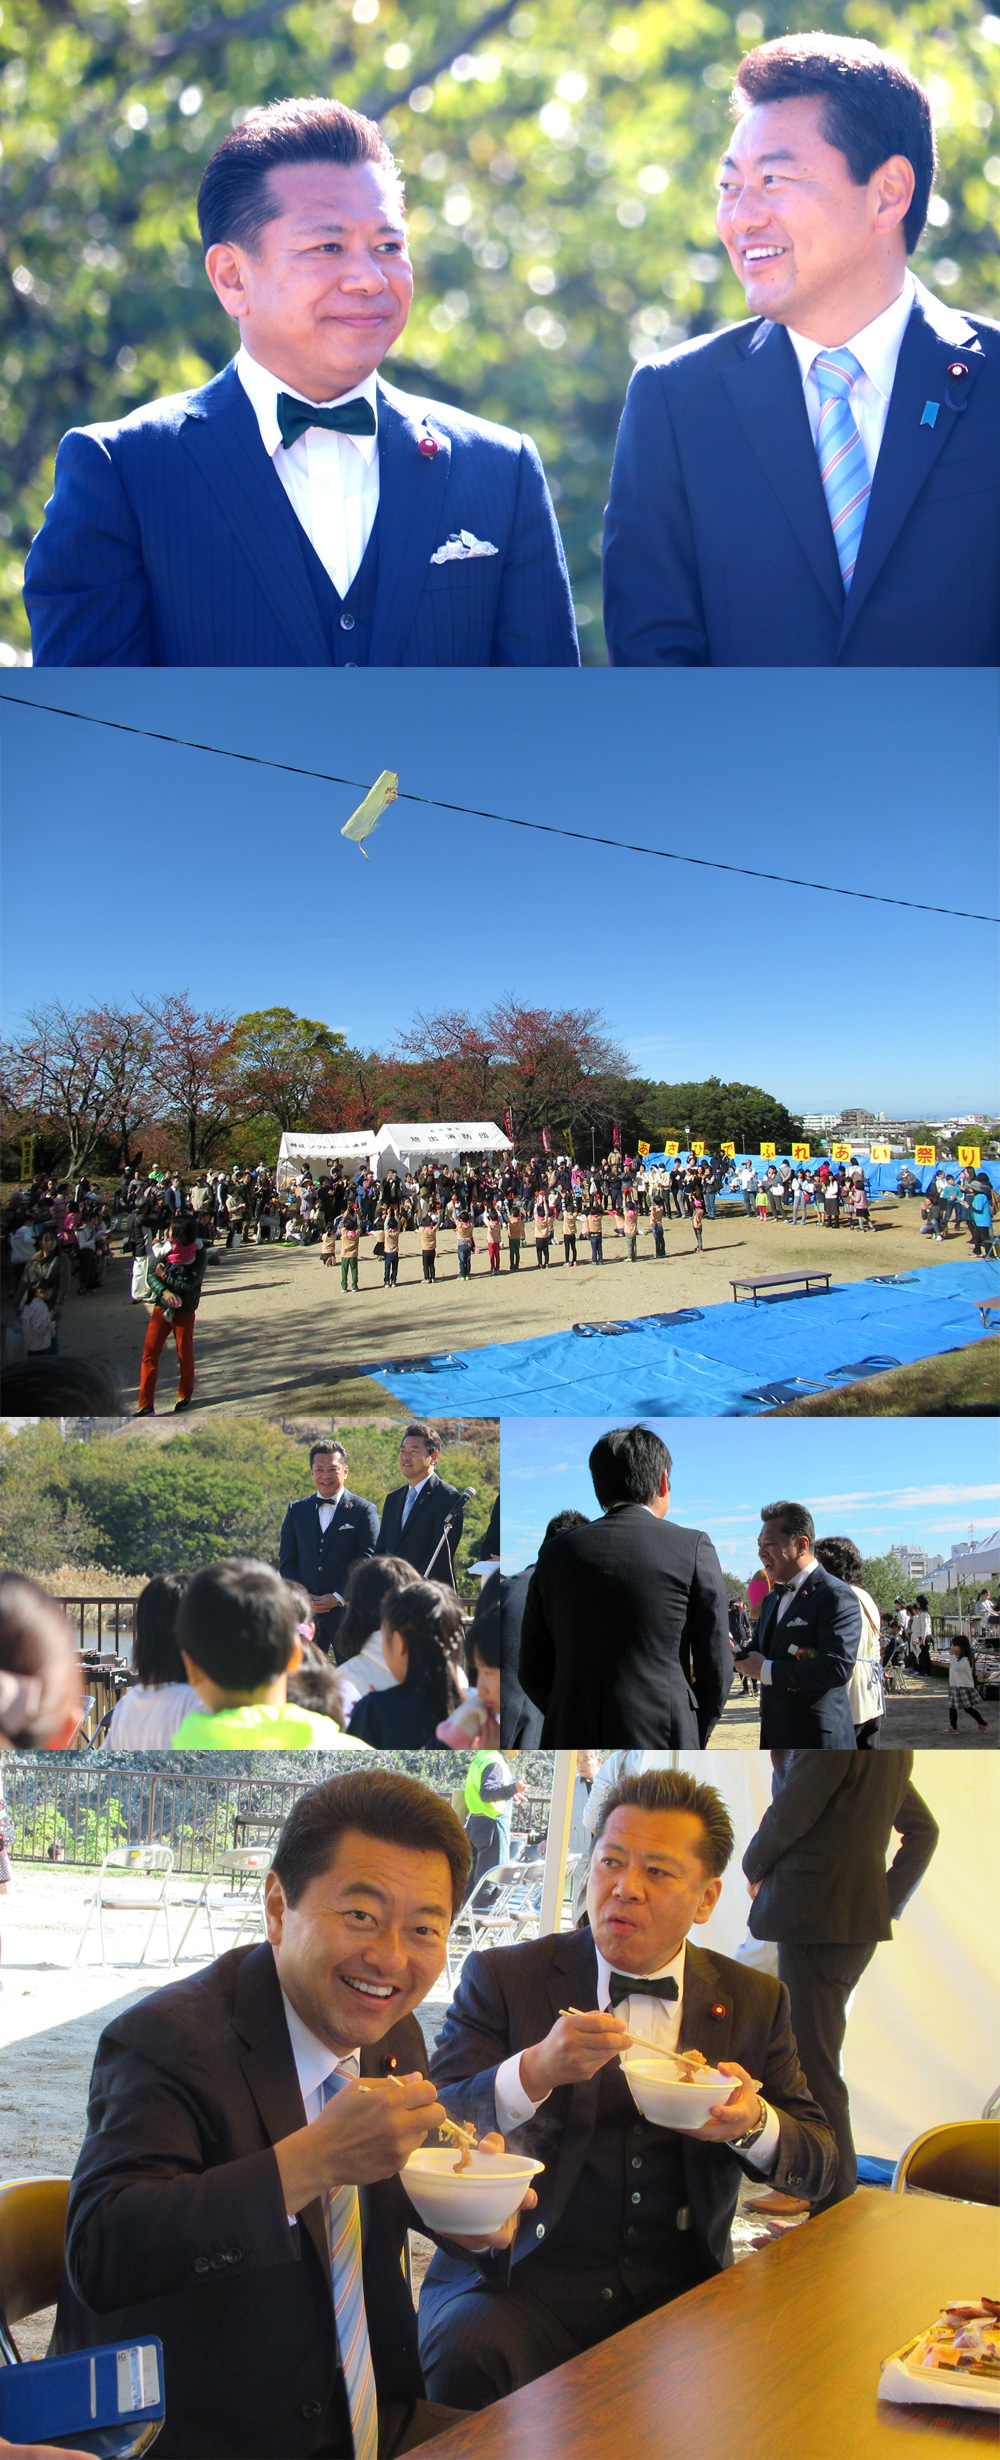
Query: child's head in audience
236, 1628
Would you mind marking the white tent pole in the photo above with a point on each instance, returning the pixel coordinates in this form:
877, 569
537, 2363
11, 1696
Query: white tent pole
557, 1846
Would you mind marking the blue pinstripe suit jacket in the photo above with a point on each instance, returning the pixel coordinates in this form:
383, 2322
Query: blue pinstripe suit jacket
169, 541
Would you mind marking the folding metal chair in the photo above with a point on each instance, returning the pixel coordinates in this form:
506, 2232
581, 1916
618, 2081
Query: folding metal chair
111, 1895
239, 1861
513, 1908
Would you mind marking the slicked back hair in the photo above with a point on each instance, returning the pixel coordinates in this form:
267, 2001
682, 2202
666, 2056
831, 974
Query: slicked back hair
235, 199
626, 1465
374, 1802
792, 1518
872, 106
673, 1789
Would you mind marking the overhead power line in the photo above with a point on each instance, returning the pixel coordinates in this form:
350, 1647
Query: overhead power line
542, 828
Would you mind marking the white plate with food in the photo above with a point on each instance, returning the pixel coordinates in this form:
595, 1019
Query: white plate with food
675, 2088
457, 2202
956, 2362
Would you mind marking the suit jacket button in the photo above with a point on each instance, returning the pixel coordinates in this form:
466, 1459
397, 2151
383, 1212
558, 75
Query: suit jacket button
201, 2263
607, 2293
793, 2181
312, 2408
219, 2263
347, 623
539, 2229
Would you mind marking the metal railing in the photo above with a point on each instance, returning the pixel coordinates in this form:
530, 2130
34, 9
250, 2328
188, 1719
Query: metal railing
111, 1618
74, 1810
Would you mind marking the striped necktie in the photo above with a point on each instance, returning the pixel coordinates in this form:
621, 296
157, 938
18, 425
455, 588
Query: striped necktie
343, 2225
842, 465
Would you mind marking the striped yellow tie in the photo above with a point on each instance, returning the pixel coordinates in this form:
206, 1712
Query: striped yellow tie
343, 2225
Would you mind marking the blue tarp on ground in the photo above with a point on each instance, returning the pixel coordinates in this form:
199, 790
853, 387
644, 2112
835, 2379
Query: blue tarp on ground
713, 1366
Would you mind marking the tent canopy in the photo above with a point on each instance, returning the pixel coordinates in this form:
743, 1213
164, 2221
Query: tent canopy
393, 1147
431, 1136
299, 1149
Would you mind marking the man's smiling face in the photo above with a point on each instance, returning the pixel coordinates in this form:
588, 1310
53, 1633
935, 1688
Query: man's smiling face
366, 1940
812, 249
327, 289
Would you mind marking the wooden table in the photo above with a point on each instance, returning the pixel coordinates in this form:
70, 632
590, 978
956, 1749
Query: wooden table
987, 1306
774, 1281
777, 2359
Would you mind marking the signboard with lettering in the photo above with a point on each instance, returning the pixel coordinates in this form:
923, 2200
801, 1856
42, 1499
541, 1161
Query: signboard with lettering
800, 1153
926, 1155
970, 1156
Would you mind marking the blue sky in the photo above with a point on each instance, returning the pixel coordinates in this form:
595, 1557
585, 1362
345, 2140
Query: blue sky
882, 1482
880, 779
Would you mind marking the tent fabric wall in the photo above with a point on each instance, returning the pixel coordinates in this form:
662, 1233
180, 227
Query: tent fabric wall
923, 2042
882, 1177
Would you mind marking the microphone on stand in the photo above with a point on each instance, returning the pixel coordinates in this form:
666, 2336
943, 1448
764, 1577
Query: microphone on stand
467, 1494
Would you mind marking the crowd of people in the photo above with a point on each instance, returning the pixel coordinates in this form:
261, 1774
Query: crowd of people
623, 1627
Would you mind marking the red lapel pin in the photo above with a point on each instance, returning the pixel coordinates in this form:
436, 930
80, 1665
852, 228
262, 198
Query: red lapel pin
958, 368
717, 2010
428, 446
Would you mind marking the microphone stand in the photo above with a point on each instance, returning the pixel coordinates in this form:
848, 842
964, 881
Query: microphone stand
443, 1541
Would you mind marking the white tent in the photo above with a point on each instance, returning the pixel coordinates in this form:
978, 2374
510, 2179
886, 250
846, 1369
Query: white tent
404, 1144
299, 1151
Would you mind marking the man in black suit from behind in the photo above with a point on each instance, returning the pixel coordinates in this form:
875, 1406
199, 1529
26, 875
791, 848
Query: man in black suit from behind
818, 1879
322, 1537
231, 2157
629, 2214
625, 1637
808, 1634
414, 1515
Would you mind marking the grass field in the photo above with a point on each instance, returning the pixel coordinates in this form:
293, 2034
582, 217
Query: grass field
959, 1384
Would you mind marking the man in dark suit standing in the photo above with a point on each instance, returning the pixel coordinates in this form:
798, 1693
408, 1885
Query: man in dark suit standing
819, 486
296, 511
807, 1639
237, 2194
818, 1879
422, 1521
625, 1637
629, 2214
322, 1537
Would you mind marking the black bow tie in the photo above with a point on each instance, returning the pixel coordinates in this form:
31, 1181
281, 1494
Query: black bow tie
626, 1986
347, 418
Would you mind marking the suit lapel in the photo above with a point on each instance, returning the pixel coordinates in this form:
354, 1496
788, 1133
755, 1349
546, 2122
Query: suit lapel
223, 438
766, 392
572, 1982
412, 489
909, 449
269, 2068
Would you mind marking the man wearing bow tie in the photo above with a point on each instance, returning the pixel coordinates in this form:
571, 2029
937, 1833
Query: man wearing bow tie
296, 511
629, 2214
808, 1633
819, 486
323, 1536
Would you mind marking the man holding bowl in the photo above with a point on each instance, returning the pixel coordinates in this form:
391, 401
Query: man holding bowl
630, 2213
238, 2190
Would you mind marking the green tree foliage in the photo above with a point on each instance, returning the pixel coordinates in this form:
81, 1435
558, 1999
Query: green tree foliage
559, 162
220, 1489
716, 1114
883, 1578
278, 1061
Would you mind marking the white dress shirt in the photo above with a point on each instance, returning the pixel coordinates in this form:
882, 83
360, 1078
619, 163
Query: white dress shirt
783, 1606
653, 2020
877, 347
314, 2062
327, 1507
331, 481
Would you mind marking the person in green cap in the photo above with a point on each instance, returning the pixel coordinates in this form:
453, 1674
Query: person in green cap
236, 1630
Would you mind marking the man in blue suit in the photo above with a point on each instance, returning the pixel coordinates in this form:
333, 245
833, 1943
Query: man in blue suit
322, 1537
807, 1640
296, 511
821, 485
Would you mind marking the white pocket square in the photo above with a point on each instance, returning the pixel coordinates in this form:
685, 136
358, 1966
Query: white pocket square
796, 1622
459, 545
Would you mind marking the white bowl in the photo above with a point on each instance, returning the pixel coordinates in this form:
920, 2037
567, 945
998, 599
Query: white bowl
457, 2203
658, 2092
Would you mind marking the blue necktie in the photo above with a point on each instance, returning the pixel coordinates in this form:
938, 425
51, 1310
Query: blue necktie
842, 465
343, 2226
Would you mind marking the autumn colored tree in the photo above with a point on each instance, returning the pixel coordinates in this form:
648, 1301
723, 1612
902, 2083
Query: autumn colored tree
83, 1077
198, 1091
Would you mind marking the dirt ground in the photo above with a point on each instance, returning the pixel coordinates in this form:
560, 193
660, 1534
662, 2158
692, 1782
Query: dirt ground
915, 1720
275, 1329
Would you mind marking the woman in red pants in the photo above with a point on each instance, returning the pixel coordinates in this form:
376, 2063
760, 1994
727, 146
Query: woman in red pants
174, 1285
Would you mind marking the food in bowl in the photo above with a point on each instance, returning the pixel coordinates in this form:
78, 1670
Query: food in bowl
459, 2202
673, 2092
